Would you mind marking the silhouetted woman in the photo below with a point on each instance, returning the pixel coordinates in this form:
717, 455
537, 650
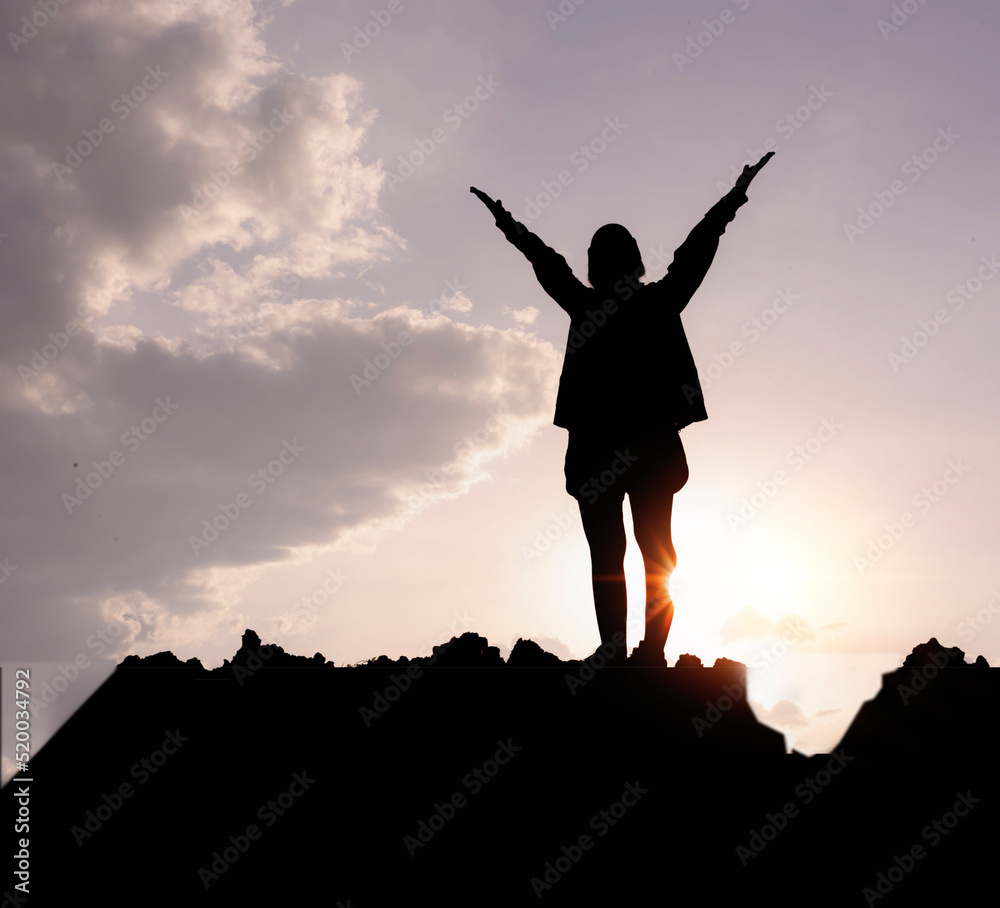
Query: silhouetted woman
628, 386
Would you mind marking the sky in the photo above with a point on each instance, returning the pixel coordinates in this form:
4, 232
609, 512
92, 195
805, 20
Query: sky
266, 362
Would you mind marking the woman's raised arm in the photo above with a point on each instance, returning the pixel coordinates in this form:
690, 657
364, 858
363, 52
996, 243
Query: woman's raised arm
551, 269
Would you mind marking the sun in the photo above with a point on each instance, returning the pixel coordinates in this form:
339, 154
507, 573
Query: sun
765, 580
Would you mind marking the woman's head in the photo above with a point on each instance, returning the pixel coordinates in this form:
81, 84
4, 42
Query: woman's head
613, 255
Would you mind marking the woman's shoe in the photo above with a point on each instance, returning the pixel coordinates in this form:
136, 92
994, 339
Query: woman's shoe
645, 656
609, 653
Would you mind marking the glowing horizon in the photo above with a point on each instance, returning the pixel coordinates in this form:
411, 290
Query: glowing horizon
259, 331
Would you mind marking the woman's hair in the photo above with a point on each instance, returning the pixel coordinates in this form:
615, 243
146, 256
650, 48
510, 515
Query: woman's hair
612, 255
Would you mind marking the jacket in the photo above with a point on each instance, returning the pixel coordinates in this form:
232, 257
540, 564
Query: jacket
628, 371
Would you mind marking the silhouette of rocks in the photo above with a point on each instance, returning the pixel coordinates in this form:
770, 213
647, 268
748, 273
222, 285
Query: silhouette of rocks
251, 641
163, 660
253, 654
688, 661
530, 654
933, 653
935, 703
723, 662
486, 784
469, 650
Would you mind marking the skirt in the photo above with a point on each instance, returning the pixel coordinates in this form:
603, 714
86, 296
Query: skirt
597, 466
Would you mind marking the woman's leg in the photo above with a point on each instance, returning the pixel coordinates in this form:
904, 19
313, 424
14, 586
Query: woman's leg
588, 458
605, 531
651, 518
651, 496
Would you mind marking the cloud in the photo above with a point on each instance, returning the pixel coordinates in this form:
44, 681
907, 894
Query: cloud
749, 624
784, 714
456, 302
524, 316
812, 733
164, 375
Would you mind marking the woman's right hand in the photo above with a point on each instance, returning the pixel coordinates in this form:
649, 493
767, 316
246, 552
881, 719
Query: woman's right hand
750, 172
494, 207
505, 220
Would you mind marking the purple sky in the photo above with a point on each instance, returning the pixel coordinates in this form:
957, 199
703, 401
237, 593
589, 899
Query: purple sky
209, 225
